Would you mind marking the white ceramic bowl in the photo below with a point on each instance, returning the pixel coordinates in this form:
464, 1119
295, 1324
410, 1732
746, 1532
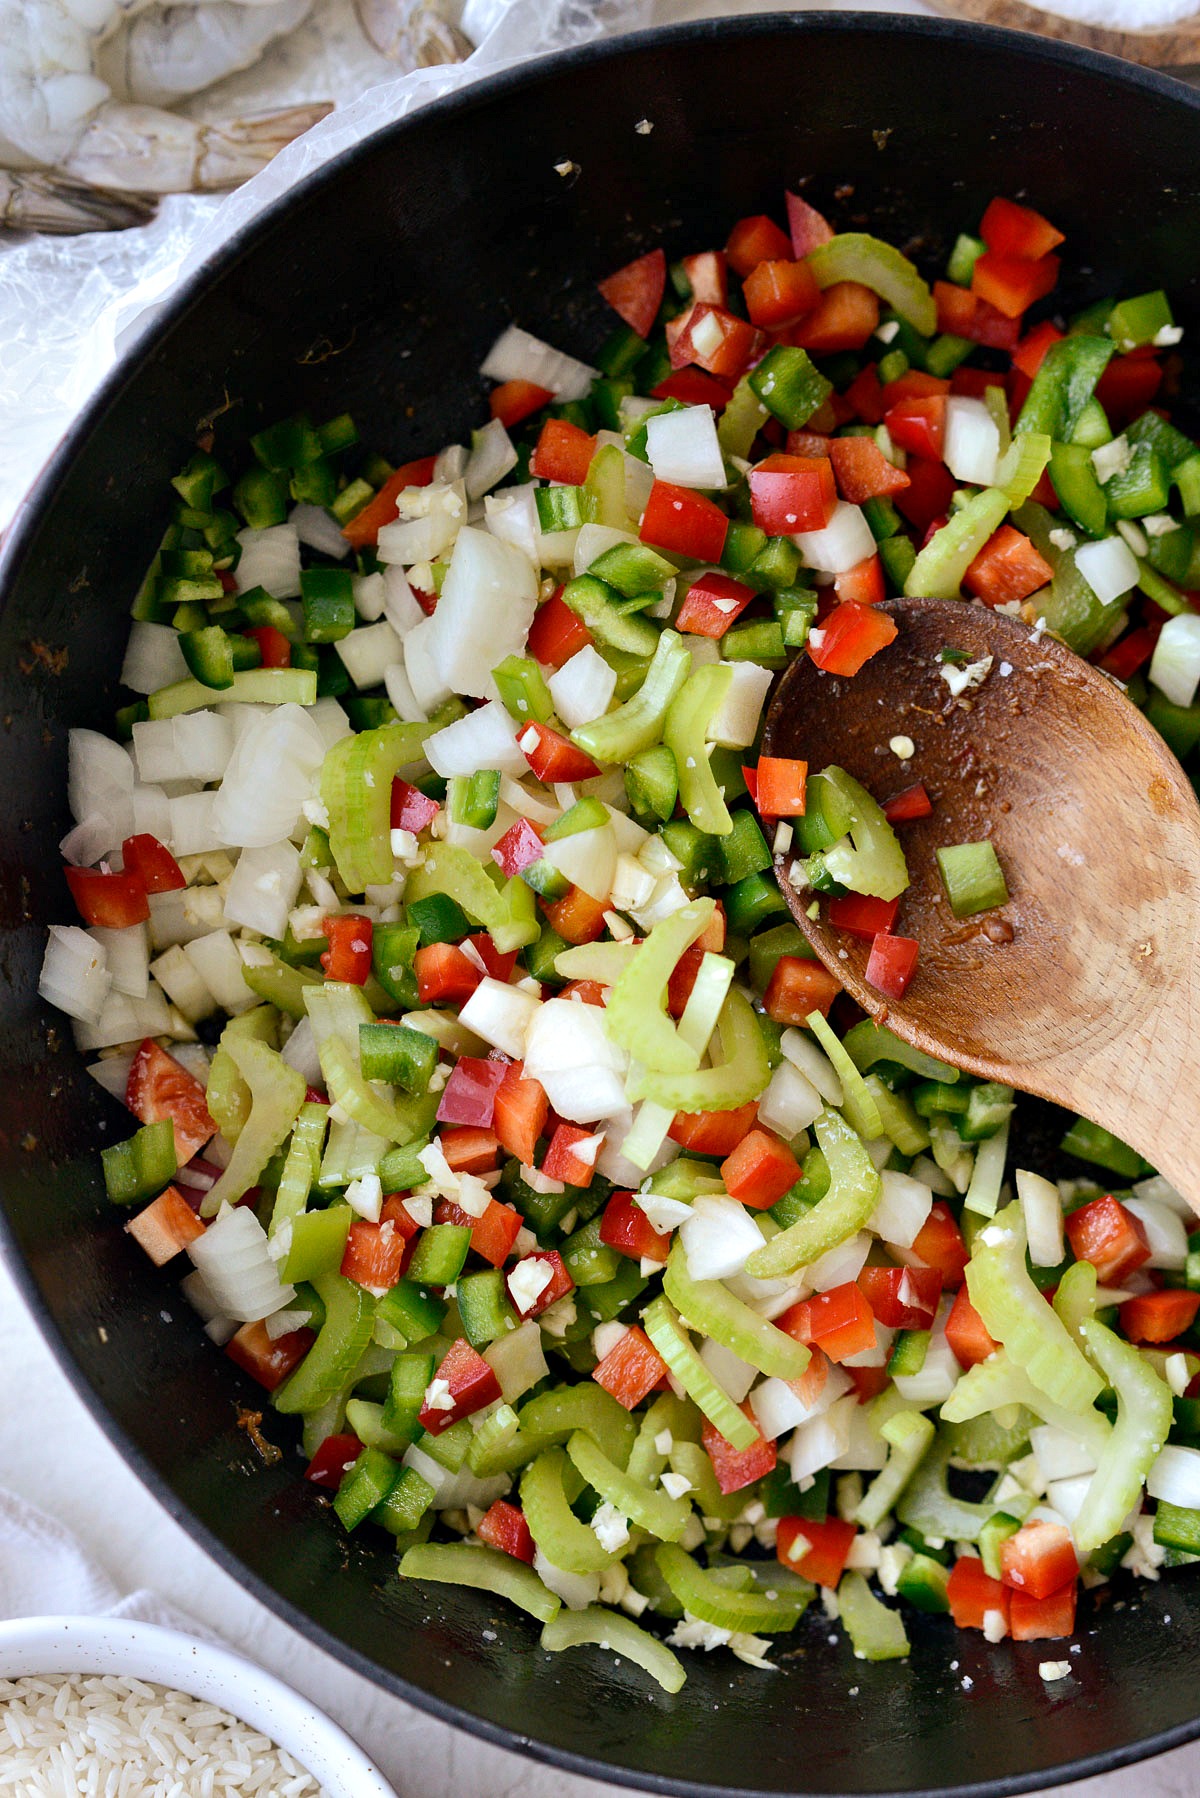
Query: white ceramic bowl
166, 1657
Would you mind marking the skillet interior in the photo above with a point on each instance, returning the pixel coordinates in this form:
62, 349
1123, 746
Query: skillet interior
405, 258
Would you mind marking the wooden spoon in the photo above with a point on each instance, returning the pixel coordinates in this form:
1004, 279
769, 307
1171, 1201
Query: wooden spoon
1161, 47
1085, 988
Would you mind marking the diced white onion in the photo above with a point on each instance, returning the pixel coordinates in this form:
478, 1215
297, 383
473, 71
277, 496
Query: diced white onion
1059, 1455
972, 441
843, 543
588, 859
492, 456
803, 1053
88, 842
1041, 1206
263, 889
100, 785
516, 355
682, 447
127, 957
866, 1449
1175, 1477
718, 1237
1175, 664
593, 540
203, 744
112, 1073
300, 1052
268, 778
484, 738
368, 652
216, 960
735, 723
839, 1265
401, 607
733, 1375
270, 558
486, 607
581, 1068
153, 658
399, 691
500, 1014
511, 515
183, 985
903, 1207
74, 974
517, 1360
238, 1270
940, 1372
791, 1102
1109, 568
819, 1442
1166, 1234
315, 527
582, 688
430, 520
123, 1020
194, 830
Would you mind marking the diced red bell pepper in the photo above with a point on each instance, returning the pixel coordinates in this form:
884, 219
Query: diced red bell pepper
839, 1321
519, 847
809, 228
348, 956
515, 401
563, 452
1012, 284
892, 964
966, 1332
779, 294
165, 1226
905, 807
1128, 385
975, 383
928, 494
715, 339
713, 1132
708, 277
376, 1254
1031, 352
148, 861
631, 1370
939, 1243
492, 1235
712, 603
470, 1149
333, 1461
519, 1113
469, 1096
365, 526
503, 1526
862, 470
807, 443
411, 809
499, 965
556, 634
587, 992
110, 901
737, 1468
863, 584
693, 387
861, 916
1044, 493
972, 1593
1108, 1236
792, 493
576, 917
1008, 567
268, 1362
781, 786
918, 425
161, 1087
826, 1546
472, 1385
868, 1382
850, 636
866, 396
964, 314
797, 987
561, 1160
902, 1298
683, 523
846, 315
1039, 1559
560, 1283
760, 1170
753, 240
273, 647
1037, 1619
683, 976
1018, 230
1131, 653
1159, 1316
635, 292
444, 974
552, 756
626, 1228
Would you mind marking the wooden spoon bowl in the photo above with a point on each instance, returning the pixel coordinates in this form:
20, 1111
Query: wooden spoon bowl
1085, 988
1161, 47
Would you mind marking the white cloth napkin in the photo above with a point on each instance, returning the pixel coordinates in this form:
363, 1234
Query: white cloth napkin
45, 1572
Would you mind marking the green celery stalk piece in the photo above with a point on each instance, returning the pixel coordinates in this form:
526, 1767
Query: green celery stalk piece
648, 1506
713, 1601
990, 1385
1017, 1315
609, 1629
692, 710
300, 1168
1143, 1421
638, 724
636, 1015
857, 256
876, 1632
251, 686
356, 789
909, 1435
449, 868
276, 1095
553, 1417
396, 1120
853, 1195
665, 1330
334, 1356
873, 861
486, 1569
710, 1308
858, 1102
742, 1074
563, 1540
938, 570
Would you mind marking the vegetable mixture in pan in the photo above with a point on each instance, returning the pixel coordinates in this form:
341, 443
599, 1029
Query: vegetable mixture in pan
522, 1151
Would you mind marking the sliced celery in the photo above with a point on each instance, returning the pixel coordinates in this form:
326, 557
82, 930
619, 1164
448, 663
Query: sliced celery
741, 1075
636, 1015
564, 1411
992, 1384
938, 570
251, 686
639, 723
707, 1597
685, 735
873, 861
1143, 1420
710, 1308
620, 1635
276, 1095
396, 1120
876, 1632
644, 1504
857, 256
858, 1101
486, 1569
510, 919
909, 1435
356, 789
300, 1168
853, 1194
1017, 1315
563, 1540
663, 1327
334, 1356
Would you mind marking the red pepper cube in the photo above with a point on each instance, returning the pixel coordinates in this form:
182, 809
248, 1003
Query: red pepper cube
503, 1526
754, 239
809, 228
444, 974
846, 315
918, 425
626, 1228
376, 1254
552, 757
160, 1087
969, 1337
1108, 1236
563, 1162
713, 1132
714, 338
712, 603
470, 1149
268, 1362
165, 1227
780, 293
864, 583
518, 848
780, 786
939, 1243
525, 1301
631, 1370
693, 387
1011, 283
862, 471
849, 637
892, 964
333, 1460
861, 916
108, 901
519, 1113
1128, 385
556, 634
903, 808
708, 276
1038, 1619
1039, 1559
1007, 568
865, 394
469, 1096
972, 1594
737, 1468
635, 292
817, 1549
839, 1321
1159, 1316
902, 1298
683, 976
760, 1170
273, 647
365, 526
465, 1380
563, 453
411, 809
576, 917
792, 493
348, 957
1032, 350
515, 401
797, 987
492, 1235
683, 523
1018, 230
147, 860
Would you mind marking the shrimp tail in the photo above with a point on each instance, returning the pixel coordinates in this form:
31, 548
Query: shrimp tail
415, 32
61, 207
148, 150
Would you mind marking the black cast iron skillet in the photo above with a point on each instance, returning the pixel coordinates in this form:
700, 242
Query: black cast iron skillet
405, 257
